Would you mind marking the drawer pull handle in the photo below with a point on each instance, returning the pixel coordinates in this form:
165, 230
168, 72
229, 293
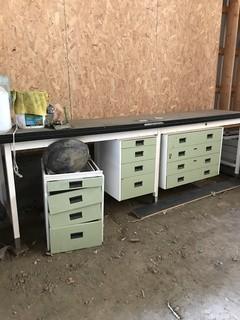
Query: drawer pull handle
181, 166
182, 140
208, 160
139, 142
139, 154
180, 179
138, 168
76, 199
181, 153
206, 172
209, 148
210, 136
74, 216
75, 184
138, 184
76, 235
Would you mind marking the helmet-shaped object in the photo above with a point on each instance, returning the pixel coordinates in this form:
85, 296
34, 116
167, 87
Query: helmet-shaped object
65, 156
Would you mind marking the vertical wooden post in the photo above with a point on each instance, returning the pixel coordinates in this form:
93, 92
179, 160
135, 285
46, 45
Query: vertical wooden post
229, 54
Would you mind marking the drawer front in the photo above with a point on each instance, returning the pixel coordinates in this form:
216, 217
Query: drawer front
71, 184
192, 163
194, 151
191, 176
194, 138
132, 143
76, 237
139, 168
137, 186
209, 171
72, 200
77, 216
138, 154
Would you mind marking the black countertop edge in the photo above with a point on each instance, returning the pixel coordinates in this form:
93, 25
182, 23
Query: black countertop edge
75, 132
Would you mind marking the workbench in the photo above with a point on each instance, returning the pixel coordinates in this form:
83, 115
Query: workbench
99, 130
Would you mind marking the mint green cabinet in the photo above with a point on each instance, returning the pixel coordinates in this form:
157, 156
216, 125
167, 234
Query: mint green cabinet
189, 156
74, 209
138, 158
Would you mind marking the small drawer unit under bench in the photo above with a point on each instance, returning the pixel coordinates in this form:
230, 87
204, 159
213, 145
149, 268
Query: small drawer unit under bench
189, 156
128, 166
74, 209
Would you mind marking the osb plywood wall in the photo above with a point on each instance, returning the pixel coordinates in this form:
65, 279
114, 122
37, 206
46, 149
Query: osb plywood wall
113, 57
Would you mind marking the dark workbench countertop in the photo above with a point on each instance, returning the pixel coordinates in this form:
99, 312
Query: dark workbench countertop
109, 125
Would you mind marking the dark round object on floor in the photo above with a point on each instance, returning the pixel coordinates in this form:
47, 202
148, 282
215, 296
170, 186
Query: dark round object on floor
65, 156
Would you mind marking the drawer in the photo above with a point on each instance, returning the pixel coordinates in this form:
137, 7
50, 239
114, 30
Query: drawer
209, 171
75, 237
191, 176
192, 163
73, 217
137, 186
132, 143
194, 138
72, 200
194, 151
71, 184
139, 168
138, 154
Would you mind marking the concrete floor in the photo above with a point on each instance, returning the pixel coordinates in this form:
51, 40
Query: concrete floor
188, 257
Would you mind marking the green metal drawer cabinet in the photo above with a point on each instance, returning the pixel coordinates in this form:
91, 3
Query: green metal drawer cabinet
74, 209
189, 156
128, 166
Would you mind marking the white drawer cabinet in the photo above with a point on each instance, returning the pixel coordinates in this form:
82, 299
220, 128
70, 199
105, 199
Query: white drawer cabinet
74, 204
128, 166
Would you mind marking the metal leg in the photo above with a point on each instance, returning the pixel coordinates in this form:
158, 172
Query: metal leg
3, 191
13, 212
237, 167
157, 167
